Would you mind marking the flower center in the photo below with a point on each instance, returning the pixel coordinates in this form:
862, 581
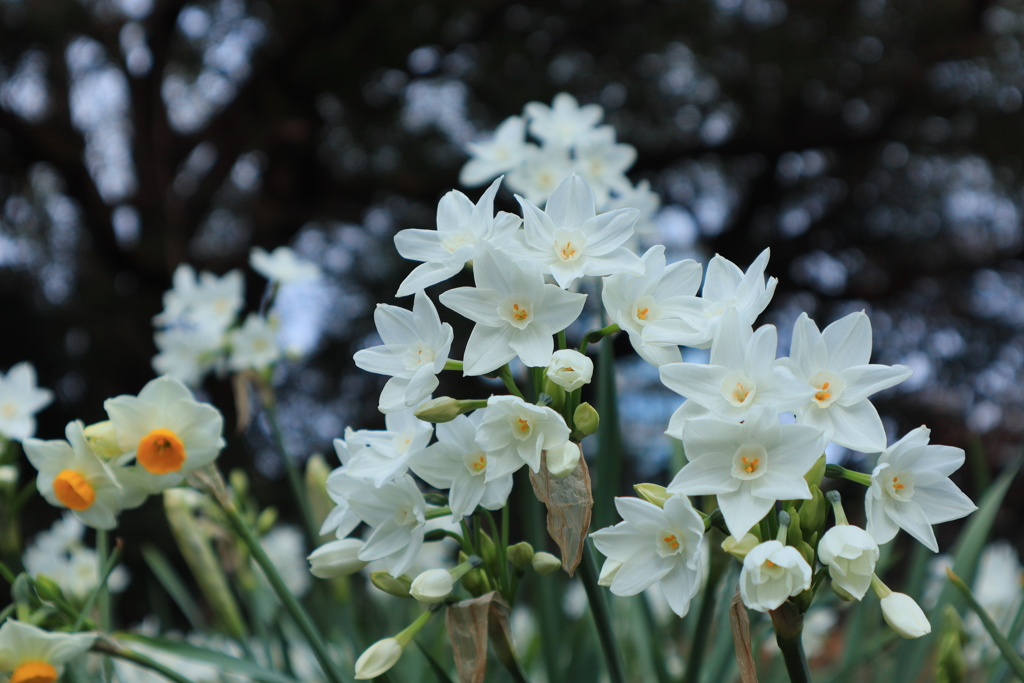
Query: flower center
522, 428
402, 441
406, 516
34, 672
515, 311
899, 485
476, 463
749, 461
73, 491
668, 543
417, 354
829, 387
645, 310
569, 244
773, 570
457, 240
161, 452
8, 410
738, 389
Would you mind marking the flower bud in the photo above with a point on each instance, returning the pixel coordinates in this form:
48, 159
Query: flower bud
399, 587
378, 658
433, 585
47, 588
850, 554
102, 440
562, 461
337, 558
608, 571
8, 475
545, 563
652, 493
740, 548
816, 473
266, 520
239, 481
440, 409
586, 419
570, 369
905, 616
520, 554
813, 512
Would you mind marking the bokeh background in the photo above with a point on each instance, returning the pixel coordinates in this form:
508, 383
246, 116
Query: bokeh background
875, 145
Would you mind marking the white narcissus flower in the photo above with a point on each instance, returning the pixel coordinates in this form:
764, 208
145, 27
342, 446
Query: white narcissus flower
415, 349
71, 476
748, 466
188, 353
336, 558
490, 158
341, 484
515, 313
562, 461
385, 454
654, 544
254, 345
905, 616
910, 489
458, 463
541, 170
397, 513
742, 373
569, 239
513, 432
282, 265
771, 574
646, 201
725, 287
604, 163
570, 369
835, 363
167, 431
32, 655
565, 122
662, 292
463, 229
203, 301
850, 553
20, 400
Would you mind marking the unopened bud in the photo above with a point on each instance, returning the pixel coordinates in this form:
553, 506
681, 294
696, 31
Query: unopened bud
102, 440
433, 585
399, 587
489, 553
266, 520
813, 512
8, 475
586, 419
239, 481
378, 659
445, 409
562, 461
555, 395
816, 473
905, 616
652, 493
794, 535
48, 588
337, 558
545, 563
520, 554
740, 548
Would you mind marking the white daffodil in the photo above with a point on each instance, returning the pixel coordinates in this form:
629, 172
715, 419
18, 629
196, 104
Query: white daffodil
565, 122
901, 611
490, 158
771, 573
910, 489
835, 364
635, 301
463, 228
60, 555
20, 400
725, 287
336, 558
167, 431
515, 313
203, 301
748, 466
254, 345
569, 240
188, 354
570, 369
850, 553
562, 461
396, 511
385, 453
512, 433
415, 349
32, 655
651, 545
541, 170
646, 201
341, 484
742, 373
604, 163
282, 265
71, 476
458, 463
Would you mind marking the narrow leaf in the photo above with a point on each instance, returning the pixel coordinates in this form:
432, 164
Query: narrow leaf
569, 502
175, 587
435, 666
1004, 645
226, 663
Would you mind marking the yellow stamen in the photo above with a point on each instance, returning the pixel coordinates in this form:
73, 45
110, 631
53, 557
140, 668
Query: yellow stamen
161, 452
671, 541
519, 313
823, 395
740, 395
34, 672
642, 313
897, 485
567, 251
769, 563
750, 466
8, 410
73, 491
524, 425
479, 464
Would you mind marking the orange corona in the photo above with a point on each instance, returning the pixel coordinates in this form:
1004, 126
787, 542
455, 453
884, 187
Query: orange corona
73, 491
34, 672
161, 452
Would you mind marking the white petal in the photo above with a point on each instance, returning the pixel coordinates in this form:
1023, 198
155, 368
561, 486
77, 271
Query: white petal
911, 518
808, 352
942, 501
639, 572
742, 510
864, 380
479, 305
534, 345
704, 476
679, 587
571, 204
849, 342
858, 427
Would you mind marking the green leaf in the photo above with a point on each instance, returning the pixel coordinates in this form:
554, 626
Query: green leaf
1013, 635
1004, 645
226, 663
175, 587
438, 670
609, 436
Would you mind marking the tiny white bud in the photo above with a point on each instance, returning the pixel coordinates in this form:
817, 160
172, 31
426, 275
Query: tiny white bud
562, 460
905, 616
546, 563
8, 474
570, 369
337, 558
433, 585
378, 658
608, 571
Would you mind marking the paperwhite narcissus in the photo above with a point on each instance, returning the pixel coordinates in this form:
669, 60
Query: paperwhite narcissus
463, 231
415, 349
835, 363
771, 574
540, 171
385, 454
253, 345
336, 558
662, 292
569, 239
282, 265
458, 463
603, 162
570, 369
32, 655
850, 553
490, 158
167, 431
206, 301
512, 433
515, 313
73, 477
747, 466
562, 461
20, 400
433, 585
654, 545
378, 658
397, 513
910, 489
565, 122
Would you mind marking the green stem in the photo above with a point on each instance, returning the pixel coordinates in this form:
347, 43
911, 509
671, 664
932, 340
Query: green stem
453, 365
839, 472
718, 563
602, 616
107, 565
114, 649
437, 512
505, 373
561, 340
793, 655
294, 478
595, 336
301, 617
